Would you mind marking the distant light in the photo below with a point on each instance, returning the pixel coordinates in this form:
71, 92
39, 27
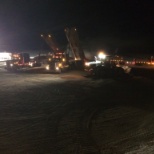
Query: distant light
49, 35
101, 55
41, 35
5, 56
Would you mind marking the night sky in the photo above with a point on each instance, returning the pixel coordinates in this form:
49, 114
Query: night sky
122, 25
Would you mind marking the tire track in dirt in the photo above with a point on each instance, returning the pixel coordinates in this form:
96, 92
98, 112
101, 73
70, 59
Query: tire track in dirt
119, 129
47, 114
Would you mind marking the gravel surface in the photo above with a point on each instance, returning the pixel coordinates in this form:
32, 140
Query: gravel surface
68, 113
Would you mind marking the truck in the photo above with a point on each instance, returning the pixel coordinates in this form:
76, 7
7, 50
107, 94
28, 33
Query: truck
57, 60
18, 61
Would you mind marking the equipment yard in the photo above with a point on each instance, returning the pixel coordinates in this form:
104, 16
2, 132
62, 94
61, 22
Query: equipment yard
69, 113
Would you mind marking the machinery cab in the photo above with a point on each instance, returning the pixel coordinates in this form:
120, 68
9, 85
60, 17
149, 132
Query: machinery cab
57, 62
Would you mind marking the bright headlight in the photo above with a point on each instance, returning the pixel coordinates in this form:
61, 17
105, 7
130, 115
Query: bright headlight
47, 67
57, 68
63, 59
31, 64
101, 55
87, 64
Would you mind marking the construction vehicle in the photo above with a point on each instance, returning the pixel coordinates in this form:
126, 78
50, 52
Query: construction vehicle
60, 60
57, 61
18, 61
75, 47
106, 66
39, 60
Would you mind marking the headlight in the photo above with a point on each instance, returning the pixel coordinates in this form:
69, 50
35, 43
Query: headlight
47, 67
87, 64
57, 68
63, 59
30, 64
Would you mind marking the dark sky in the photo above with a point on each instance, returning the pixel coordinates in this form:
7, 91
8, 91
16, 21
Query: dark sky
123, 24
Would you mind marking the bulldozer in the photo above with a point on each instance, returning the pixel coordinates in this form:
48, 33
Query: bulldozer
107, 66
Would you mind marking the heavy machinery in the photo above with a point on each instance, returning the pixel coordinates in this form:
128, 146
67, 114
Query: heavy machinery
38, 61
106, 66
18, 61
62, 60
57, 61
77, 51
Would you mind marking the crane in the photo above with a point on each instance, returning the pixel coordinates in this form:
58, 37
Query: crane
51, 43
73, 40
57, 61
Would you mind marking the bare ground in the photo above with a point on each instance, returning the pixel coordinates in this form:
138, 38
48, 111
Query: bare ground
70, 114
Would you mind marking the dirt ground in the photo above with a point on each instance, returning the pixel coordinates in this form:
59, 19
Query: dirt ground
68, 113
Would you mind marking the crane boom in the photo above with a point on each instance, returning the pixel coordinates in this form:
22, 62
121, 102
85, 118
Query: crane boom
51, 43
73, 39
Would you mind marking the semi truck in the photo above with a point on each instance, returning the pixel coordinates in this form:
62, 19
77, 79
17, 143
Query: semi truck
56, 60
18, 61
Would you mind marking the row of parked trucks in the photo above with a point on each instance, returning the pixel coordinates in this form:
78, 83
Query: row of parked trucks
58, 61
